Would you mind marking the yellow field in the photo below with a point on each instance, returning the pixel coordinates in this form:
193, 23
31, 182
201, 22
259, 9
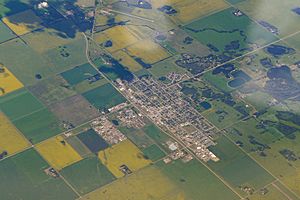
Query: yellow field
160, 3
127, 61
8, 82
29, 22
121, 37
146, 184
123, 153
58, 155
11, 140
193, 9
149, 51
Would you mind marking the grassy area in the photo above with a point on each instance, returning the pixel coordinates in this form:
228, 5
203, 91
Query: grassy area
87, 175
23, 176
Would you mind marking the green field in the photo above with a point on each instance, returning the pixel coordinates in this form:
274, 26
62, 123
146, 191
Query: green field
153, 152
22, 177
79, 74
39, 126
104, 97
87, 175
5, 32
196, 181
238, 169
19, 103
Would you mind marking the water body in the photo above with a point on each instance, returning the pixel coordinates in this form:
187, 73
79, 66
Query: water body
283, 72
225, 69
206, 105
279, 50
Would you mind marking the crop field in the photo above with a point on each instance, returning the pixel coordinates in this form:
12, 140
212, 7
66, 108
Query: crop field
8, 82
123, 153
75, 110
11, 140
51, 90
23, 22
5, 32
127, 61
118, 41
196, 181
78, 146
238, 169
87, 175
262, 10
92, 140
219, 33
149, 51
189, 10
58, 152
104, 97
148, 183
13, 104
45, 125
23, 176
